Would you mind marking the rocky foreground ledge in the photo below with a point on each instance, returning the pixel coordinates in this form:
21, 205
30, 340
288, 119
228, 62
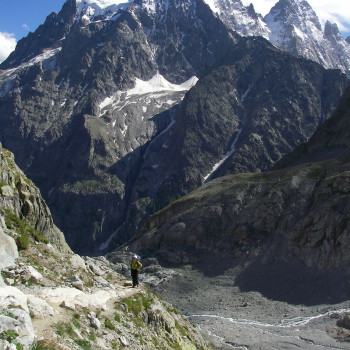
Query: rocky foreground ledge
60, 301
52, 299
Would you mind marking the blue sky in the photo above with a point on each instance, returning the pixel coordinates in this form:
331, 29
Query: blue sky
21, 16
18, 17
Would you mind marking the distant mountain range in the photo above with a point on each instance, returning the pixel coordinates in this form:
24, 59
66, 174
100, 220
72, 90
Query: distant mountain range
115, 111
291, 25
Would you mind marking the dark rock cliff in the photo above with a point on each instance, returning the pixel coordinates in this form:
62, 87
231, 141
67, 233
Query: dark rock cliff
299, 212
107, 148
253, 107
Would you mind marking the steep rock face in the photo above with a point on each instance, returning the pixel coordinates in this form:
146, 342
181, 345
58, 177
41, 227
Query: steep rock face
292, 26
243, 19
20, 197
292, 212
329, 141
244, 216
254, 107
85, 107
102, 129
296, 28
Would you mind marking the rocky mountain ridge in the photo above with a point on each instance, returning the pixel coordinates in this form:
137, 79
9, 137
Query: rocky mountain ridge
114, 123
102, 114
291, 25
53, 299
301, 209
262, 258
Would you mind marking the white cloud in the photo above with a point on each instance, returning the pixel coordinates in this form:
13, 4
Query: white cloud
261, 6
7, 45
336, 11
25, 27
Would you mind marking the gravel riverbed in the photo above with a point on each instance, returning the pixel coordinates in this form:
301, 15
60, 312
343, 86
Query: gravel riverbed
234, 316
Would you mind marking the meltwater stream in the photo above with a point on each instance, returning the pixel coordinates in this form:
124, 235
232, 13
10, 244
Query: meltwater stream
309, 332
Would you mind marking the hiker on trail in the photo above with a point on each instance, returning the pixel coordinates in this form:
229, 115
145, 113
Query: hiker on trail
135, 266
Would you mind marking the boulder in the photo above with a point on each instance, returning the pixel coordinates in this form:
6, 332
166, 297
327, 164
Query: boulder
67, 305
95, 323
12, 297
40, 308
8, 251
25, 328
95, 269
123, 341
344, 322
20, 323
77, 262
78, 284
4, 344
31, 274
100, 280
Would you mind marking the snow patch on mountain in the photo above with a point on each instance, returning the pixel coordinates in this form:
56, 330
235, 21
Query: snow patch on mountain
48, 59
243, 19
103, 4
159, 83
157, 86
290, 25
213, 4
108, 9
228, 154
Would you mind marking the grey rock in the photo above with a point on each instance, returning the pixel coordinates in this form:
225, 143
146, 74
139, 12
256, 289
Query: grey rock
123, 341
25, 327
9, 281
78, 284
95, 269
100, 280
95, 323
67, 305
91, 315
24, 200
77, 262
8, 250
39, 308
30, 273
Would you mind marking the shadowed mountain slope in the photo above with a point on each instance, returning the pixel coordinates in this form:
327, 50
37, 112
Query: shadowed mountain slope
292, 222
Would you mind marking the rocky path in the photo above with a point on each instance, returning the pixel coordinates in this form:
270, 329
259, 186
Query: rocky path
72, 298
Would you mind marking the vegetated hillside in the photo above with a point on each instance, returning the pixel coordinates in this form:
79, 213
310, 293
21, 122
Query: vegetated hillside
99, 115
53, 299
277, 219
24, 208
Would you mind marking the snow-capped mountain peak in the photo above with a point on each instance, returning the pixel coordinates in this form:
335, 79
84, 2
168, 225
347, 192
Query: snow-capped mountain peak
244, 20
295, 27
291, 25
295, 13
106, 9
214, 5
